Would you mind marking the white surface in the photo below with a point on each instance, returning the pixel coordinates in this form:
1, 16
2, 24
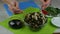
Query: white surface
56, 21
3, 14
57, 31
4, 30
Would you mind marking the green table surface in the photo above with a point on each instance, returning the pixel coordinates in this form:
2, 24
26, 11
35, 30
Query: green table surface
48, 28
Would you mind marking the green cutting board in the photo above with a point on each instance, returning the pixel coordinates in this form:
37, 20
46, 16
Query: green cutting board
47, 28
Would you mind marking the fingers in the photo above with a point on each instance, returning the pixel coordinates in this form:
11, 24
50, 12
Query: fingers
13, 5
12, 2
45, 3
13, 8
17, 4
44, 6
10, 7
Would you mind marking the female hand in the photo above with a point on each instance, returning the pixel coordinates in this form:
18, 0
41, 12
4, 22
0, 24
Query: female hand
13, 6
45, 3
